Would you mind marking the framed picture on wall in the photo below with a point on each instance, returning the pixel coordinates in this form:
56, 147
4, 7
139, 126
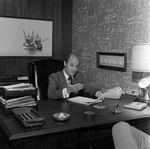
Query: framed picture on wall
26, 37
112, 61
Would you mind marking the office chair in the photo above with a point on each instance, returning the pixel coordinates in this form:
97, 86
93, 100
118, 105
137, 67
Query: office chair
38, 72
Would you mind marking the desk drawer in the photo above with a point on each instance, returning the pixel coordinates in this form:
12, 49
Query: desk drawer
97, 138
66, 140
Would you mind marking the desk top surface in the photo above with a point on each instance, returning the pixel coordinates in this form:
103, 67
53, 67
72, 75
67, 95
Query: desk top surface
15, 130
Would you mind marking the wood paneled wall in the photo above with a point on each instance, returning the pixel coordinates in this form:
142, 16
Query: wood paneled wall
58, 10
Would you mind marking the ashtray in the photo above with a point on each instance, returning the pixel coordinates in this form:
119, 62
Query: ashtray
61, 116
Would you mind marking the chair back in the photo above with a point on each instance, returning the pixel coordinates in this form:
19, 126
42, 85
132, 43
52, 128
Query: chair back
38, 72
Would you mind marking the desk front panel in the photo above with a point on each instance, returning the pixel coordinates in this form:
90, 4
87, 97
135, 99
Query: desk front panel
78, 132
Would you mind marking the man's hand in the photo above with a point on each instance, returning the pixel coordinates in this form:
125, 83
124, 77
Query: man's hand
74, 88
100, 95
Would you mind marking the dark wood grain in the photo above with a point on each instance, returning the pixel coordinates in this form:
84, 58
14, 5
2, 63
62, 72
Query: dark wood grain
78, 132
60, 11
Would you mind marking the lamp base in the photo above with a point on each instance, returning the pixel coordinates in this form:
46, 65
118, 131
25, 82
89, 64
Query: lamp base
143, 91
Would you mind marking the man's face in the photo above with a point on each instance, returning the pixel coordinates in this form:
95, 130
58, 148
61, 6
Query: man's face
71, 67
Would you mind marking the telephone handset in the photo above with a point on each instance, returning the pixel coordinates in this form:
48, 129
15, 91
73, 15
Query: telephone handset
114, 93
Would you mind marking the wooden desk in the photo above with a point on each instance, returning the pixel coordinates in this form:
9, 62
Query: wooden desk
77, 133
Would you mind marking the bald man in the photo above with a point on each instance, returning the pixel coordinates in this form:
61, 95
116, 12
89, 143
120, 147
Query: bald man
70, 81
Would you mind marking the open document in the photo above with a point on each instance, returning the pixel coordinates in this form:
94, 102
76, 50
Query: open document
84, 100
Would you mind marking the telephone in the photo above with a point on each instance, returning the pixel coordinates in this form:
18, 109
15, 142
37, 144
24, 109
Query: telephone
114, 93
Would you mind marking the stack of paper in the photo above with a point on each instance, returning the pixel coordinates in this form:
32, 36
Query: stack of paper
84, 100
18, 102
17, 95
19, 86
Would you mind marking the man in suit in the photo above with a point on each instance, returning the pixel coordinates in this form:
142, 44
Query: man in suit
70, 82
126, 136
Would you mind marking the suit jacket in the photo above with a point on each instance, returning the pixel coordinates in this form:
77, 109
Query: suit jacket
57, 82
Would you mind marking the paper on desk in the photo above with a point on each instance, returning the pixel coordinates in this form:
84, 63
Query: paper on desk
83, 100
20, 101
18, 86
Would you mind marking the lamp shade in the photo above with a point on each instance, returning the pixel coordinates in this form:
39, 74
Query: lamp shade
140, 60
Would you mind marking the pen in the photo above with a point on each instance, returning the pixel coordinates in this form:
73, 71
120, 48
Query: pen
96, 101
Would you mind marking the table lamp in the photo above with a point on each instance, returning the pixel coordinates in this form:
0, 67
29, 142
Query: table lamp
140, 62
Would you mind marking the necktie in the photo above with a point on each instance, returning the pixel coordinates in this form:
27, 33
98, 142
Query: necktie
70, 80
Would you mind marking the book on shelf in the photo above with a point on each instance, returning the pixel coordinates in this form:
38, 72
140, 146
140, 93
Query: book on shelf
136, 105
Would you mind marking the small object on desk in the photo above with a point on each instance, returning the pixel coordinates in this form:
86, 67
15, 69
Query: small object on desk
61, 116
89, 114
95, 102
99, 106
133, 92
28, 116
116, 108
136, 105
